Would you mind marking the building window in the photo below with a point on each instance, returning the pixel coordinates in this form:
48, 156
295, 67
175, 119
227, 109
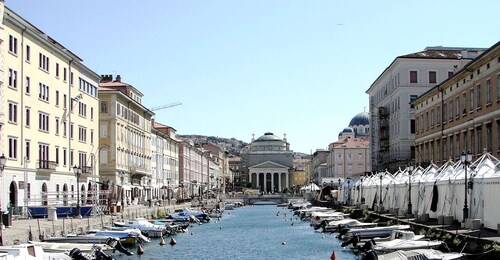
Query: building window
498, 86
64, 128
57, 70
57, 155
432, 118
471, 100
43, 122
43, 92
65, 153
472, 140
57, 126
64, 100
28, 83
65, 74
27, 147
28, 53
457, 106
478, 94
432, 77
13, 78
91, 113
413, 76
71, 78
82, 109
479, 139
43, 154
438, 115
12, 148
488, 91
464, 142
104, 107
57, 97
12, 44
82, 134
12, 112
464, 103
450, 74
488, 138
28, 117
445, 113
451, 110
71, 131
43, 62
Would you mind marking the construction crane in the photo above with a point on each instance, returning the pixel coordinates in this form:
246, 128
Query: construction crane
165, 106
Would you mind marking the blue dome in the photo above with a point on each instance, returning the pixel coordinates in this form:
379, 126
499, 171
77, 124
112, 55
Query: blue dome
347, 130
360, 119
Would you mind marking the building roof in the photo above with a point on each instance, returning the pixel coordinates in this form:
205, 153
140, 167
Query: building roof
360, 119
268, 137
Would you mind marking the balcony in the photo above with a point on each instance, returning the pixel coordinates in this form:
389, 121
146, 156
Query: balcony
138, 172
87, 169
46, 166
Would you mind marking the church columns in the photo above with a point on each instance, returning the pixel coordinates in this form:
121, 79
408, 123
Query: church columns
250, 177
279, 182
265, 182
257, 177
287, 180
272, 182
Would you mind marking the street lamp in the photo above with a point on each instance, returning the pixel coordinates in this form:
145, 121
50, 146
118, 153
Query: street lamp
168, 190
3, 160
122, 176
380, 195
348, 192
78, 171
466, 159
410, 172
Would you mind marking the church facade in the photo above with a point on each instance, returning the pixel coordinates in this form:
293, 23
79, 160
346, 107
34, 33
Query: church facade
269, 163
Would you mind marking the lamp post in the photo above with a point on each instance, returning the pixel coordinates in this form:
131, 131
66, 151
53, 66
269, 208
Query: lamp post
380, 195
466, 159
78, 171
168, 190
348, 192
410, 172
2, 167
122, 176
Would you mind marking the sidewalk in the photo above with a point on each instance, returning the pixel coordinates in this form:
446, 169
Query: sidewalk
19, 232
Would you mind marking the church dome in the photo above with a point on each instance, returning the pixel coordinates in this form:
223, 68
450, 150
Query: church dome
347, 130
268, 137
360, 119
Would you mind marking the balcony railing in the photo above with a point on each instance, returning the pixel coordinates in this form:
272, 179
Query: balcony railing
47, 165
86, 169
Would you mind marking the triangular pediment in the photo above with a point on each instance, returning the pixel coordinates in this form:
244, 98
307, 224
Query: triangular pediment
268, 164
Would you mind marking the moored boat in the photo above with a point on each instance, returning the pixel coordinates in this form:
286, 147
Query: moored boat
428, 254
364, 233
29, 252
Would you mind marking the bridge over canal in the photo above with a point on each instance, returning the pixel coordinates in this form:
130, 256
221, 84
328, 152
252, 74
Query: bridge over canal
270, 198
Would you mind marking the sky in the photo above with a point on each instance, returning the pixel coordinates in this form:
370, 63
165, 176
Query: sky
243, 68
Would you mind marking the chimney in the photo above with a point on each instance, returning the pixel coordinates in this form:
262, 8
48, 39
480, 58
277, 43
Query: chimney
106, 78
118, 78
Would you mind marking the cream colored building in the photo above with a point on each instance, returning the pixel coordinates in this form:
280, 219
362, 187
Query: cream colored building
164, 162
49, 119
125, 141
462, 113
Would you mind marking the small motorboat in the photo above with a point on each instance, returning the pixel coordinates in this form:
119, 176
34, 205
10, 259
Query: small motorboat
65, 247
336, 225
147, 228
429, 254
367, 233
401, 244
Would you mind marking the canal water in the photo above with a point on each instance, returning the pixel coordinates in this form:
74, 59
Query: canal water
250, 232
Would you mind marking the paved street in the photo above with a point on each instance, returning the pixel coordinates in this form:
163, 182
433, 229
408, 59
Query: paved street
19, 232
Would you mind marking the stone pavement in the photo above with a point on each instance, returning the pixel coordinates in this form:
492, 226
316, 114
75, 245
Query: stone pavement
20, 230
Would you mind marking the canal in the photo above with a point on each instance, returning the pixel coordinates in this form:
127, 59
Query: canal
251, 232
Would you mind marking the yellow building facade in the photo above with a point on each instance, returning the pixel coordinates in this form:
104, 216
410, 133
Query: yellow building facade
49, 120
125, 142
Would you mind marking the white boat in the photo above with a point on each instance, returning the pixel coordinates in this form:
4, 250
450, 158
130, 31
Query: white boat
429, 254
337, 225
29, 252
229, 206
147, 228
64, 247
317, 217
401, 244
404, 235
364, 233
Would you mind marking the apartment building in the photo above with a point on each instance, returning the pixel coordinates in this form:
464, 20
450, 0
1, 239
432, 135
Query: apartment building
124, 141
462, 113
392, 118
349, 157
164, 162
49, 119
